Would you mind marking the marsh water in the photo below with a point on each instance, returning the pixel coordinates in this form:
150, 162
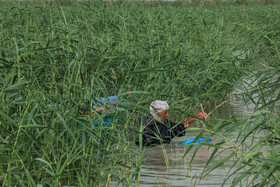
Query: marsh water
166, 165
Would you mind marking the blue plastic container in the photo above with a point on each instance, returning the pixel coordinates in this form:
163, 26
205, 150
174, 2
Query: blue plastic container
189, 141
101, 102
105, 121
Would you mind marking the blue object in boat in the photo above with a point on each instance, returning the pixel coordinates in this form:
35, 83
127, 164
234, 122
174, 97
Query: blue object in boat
189, 141
105, 121
105, 101
108, 120
111, 100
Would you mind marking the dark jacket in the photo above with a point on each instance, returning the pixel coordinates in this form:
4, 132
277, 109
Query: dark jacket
156, 132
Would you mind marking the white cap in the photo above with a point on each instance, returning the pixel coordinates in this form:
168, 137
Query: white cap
158, 106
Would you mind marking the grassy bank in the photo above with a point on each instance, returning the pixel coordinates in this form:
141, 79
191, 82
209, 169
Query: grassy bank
54, 59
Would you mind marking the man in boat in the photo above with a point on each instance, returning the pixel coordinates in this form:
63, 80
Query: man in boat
158, 129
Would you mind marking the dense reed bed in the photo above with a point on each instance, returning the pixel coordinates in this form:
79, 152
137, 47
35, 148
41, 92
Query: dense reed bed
54, 59
256, 147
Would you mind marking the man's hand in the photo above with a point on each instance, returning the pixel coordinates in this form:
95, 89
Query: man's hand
202, 115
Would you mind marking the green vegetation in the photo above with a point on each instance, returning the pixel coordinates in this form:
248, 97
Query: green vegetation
54, 59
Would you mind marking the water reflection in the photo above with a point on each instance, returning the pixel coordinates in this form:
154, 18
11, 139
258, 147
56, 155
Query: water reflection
166, 166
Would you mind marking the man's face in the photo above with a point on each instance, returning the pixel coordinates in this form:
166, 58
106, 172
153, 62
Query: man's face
163, 115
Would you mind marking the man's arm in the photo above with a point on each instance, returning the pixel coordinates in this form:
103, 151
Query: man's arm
201, 115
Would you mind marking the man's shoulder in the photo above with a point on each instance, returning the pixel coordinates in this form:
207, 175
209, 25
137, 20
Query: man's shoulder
151, 120
145, 119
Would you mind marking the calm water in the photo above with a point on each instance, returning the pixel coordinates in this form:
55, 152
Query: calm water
164, 166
